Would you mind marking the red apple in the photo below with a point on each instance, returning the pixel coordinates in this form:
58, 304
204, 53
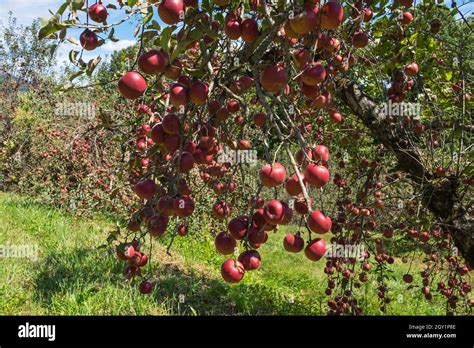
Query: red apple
310, 91
145, 287
407, 17
225, 243
178, 95
232, 271
292, 185
125, 251
89, 40
314, 74
165, 206
274, 211
233, 28
301, 58
321, 153
258, 219
273, 78
316, 175
171, 124
186, 163
250, 259
246, 82
158, 134
198, 92
259, 119
157, 225
170, 10
316, 249
301, 207
145, 189
304, 22
412, 69
183, 206
332, 15
152, 62
367, 14
257, 235
336, 117
221, 210
293, 243
174, 70
272, 176
319, 223
98, 13
360, 39
182, 230
132, 85
249, 29
238, 227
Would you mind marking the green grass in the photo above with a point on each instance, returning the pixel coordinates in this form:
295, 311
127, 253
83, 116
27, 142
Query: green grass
72, 276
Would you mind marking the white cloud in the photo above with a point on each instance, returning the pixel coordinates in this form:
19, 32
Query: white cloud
26, 10
104, 51
111, 46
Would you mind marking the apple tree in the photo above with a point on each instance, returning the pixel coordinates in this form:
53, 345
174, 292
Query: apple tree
358, 114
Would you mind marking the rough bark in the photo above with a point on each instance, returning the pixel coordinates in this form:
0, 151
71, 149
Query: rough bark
440, 196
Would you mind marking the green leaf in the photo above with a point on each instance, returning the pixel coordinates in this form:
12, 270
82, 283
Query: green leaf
154, 25
206, 5
73, 40
92, 65
196, 34
62, 8
131, 3
165, 38
47, 31
111, 238
62, 34
219, 17
148, 35
52, 50
76, 4
148, 16
76, 74
44, 21
137, 29
73, 56
448, 75
198, 73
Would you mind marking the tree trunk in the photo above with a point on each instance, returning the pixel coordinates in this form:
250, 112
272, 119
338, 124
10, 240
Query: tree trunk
439, 195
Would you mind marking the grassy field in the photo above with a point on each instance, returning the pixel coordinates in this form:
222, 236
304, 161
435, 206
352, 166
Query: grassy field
72, 276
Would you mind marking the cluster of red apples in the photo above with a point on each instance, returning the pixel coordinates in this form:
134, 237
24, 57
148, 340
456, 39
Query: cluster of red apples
182, 144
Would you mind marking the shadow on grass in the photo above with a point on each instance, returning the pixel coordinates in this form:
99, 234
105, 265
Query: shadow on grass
90, 270
65, 271
404, 246
16, 200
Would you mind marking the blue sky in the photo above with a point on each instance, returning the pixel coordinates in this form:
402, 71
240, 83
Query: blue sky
27, 10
